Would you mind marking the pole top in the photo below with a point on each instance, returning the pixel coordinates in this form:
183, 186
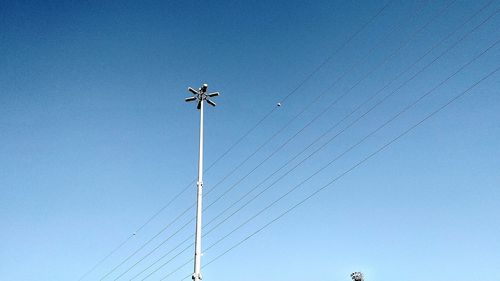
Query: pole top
201, 95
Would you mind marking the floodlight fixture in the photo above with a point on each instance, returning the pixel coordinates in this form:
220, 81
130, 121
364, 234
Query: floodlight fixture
193, 91
201, 95
211, 102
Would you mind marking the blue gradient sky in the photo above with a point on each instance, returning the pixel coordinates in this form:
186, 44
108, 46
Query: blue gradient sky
96, 137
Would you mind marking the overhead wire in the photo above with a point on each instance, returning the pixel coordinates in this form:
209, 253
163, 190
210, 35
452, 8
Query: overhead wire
404, 44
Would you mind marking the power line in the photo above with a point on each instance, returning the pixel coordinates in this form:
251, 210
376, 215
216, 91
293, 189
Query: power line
307, 78
380, 90
352, 147
316, 140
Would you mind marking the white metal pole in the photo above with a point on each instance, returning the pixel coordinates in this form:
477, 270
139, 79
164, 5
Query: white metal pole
199, 184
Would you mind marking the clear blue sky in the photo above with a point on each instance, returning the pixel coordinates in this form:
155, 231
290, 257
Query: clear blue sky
95, 137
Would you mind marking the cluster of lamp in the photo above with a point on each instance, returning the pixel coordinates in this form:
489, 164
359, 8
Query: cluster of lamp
201, 95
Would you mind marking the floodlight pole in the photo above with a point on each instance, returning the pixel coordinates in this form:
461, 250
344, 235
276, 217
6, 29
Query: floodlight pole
199, 95
199, 184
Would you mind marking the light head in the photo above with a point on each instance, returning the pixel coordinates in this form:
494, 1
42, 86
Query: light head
193, 91
201, 95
